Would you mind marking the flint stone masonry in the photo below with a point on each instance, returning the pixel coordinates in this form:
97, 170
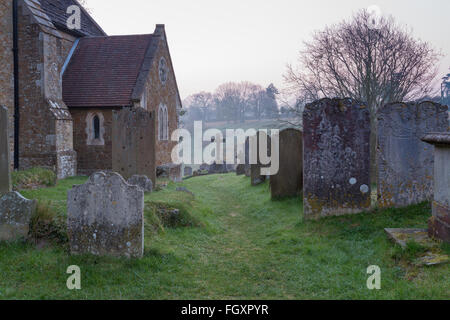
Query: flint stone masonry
15, 215
141, 181
439, 224
336, 158
288, 182
133, 143
7, 67
405, 163
5, 166
105, 216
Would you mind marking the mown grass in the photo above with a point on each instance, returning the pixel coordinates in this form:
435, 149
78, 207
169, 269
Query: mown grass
241, 246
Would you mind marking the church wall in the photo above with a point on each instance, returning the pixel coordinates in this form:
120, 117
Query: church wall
45, 124
163, 93
7, 67
92, 156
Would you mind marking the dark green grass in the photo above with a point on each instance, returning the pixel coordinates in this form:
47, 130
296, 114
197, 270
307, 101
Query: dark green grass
245, 246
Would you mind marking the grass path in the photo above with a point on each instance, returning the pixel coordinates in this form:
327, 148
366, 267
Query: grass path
248, 247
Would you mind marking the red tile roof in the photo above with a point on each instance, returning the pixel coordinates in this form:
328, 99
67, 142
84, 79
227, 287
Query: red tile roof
103, 71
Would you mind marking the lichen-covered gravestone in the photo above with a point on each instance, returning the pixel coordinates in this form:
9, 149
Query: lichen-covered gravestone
336, 158
5, 176
106, 217
288, 182
405, 163
141, 181
15, 215
439, 224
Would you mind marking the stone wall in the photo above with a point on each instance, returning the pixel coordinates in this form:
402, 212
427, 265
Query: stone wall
45, 123
92, 157
7, 66
158, 93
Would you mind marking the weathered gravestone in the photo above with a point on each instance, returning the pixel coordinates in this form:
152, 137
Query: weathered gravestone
255, 169
187, 171
240, 169
141, 181
288, 182
134, 143
105, 216
405, 163
216, 168
15, 215
336, 158
171, 171
5, 175
244, 168
247, 167
439, 224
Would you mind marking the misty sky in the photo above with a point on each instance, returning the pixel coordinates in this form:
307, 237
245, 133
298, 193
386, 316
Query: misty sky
216, 41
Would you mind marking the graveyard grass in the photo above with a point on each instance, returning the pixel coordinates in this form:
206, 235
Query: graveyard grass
244, 247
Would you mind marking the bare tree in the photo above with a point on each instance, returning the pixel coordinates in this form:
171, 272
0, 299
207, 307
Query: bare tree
234, 100
205, 102
374, 64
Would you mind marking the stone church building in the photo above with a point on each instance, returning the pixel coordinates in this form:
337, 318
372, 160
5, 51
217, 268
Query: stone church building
69, 81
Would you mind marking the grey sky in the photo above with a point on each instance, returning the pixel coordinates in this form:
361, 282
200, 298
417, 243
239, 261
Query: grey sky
213, 41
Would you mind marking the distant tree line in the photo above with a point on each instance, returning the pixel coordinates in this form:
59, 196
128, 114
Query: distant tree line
233, 102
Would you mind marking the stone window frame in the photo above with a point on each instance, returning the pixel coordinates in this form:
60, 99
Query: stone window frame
163, 122
90, 130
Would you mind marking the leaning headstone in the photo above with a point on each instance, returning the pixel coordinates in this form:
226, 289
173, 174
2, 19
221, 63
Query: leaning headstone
141, 181
5, 175
405, 163
288, 182
255, 169
336, 158
439, 224
15, 216
105, 216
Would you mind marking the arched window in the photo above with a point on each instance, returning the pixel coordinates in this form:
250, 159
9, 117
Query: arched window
163, 123
95, 129
96, 126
